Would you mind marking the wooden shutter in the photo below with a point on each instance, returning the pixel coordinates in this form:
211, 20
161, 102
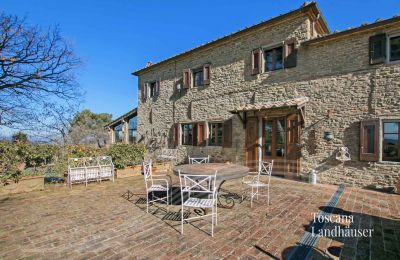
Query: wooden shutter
369, 130
176, 134
145, 89
256, 61
186, 78
201, 133
290, 54
377, 49
206, 74
157, 90
227, 140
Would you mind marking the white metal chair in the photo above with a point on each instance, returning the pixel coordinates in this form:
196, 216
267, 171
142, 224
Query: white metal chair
199, 160
204, 186
158, 184
256, 182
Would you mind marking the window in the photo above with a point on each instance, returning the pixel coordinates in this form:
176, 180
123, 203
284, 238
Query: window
390, 144
281, 137
394, 48
153, 89
377, 48
268, 138
198, 77
118, 133
132, 131
273, 59
187, 134
216, 133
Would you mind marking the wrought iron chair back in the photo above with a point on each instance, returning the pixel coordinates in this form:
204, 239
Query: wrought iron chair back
265, 170
154, 185
198, 183
201, 184
199, 160
147, 173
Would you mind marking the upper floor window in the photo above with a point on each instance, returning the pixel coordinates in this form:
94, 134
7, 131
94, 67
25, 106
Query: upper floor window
153, 89
394, 48
216, 131
197, 77
391, 142
384, 48
150, 89
273, 59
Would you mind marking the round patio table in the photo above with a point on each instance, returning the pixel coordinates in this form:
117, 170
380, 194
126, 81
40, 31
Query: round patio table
225, 172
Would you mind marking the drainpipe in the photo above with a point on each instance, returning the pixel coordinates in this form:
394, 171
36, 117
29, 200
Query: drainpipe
259, 142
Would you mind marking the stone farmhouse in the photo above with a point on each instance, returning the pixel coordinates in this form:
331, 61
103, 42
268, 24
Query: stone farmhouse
286, 89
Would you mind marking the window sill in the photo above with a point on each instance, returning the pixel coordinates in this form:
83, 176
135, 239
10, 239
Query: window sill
393, 62
388, 163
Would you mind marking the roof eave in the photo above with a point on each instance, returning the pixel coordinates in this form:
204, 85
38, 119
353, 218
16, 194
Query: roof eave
131, 113
303, 9
359, 29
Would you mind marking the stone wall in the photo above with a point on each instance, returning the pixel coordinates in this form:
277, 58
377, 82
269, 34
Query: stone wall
334, 75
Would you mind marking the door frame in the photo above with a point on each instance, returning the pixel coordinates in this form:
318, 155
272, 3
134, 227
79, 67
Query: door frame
260, 141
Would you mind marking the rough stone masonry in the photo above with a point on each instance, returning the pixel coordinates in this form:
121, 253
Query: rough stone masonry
333, 72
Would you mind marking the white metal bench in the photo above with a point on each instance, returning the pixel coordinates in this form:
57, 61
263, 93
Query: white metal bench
89, 169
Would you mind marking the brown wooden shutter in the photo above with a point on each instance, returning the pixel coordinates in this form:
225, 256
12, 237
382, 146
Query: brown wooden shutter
186, 78
377, 48
201, 134
145, 89
176, 134
256, 61
157, 90
206, 74
290, 54
369, 130
227, 142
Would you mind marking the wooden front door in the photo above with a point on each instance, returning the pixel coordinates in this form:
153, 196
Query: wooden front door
251, 154
280, 138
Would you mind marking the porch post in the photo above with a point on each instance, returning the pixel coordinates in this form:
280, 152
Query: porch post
260, 129
111, 134
126, 131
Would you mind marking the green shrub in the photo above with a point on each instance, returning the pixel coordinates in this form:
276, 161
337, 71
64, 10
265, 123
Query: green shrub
12, 158
78, 151
39, 155
126, 154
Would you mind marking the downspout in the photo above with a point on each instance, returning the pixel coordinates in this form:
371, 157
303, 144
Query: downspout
259, 143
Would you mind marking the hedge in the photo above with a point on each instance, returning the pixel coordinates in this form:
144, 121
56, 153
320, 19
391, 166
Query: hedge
18, 159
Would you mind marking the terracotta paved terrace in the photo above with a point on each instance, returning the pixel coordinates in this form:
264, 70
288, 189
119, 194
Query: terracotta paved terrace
103, 221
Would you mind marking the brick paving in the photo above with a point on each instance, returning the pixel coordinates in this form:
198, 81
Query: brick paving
100, 222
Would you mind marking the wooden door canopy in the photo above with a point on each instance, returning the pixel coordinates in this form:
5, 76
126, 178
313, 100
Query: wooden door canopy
296, 103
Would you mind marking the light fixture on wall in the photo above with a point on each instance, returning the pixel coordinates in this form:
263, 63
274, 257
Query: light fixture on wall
328, 136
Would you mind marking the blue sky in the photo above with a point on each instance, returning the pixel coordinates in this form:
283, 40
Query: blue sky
116, 37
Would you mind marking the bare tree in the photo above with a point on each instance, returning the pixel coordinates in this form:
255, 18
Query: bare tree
36, 75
